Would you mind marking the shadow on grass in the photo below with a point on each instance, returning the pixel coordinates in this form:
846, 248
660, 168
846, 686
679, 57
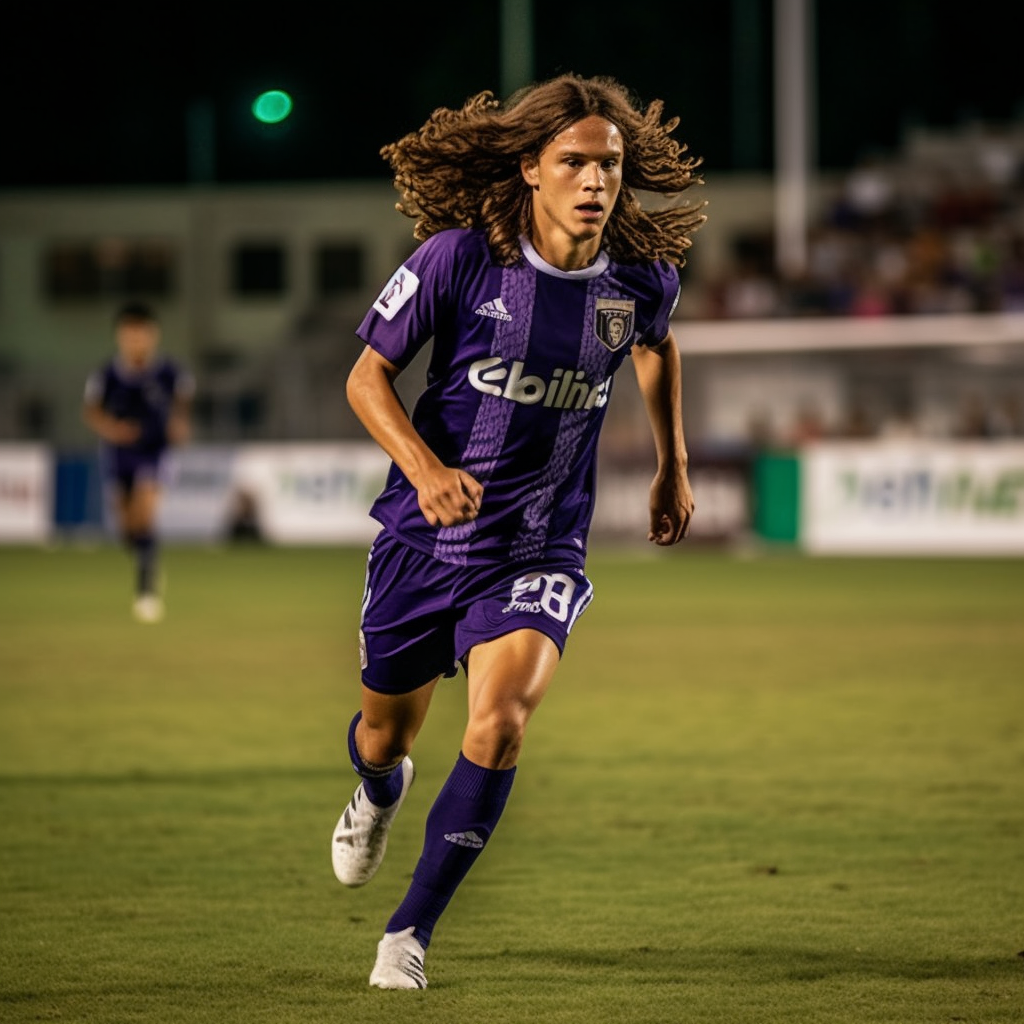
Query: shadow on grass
207, 777
648, 965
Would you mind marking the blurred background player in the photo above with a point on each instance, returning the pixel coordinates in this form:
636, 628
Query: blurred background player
538, 276
138, 403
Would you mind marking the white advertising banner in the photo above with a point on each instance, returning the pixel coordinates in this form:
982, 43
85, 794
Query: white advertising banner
722, 495
310, 493
282, 493
927, 497
26, 492
200, 498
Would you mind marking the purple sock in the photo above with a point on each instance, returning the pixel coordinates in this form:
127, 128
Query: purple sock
145, 547
461, 821
383, 783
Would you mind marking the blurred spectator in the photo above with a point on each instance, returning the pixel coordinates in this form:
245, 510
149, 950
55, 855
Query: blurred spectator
750, 295
1007, 418
870, 296
900, 422
972, 420
939, 228
869, 195
857, 424
809, 425
977, 419
244, 518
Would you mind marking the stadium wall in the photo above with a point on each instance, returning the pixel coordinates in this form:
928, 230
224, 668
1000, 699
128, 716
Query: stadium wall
832, 497
259, 290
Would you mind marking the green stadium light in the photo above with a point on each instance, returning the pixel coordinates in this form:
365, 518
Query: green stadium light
272, 106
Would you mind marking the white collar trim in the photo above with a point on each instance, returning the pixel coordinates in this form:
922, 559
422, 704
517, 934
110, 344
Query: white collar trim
534, 258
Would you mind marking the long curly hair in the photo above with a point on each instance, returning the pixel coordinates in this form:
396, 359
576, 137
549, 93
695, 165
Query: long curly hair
462, 168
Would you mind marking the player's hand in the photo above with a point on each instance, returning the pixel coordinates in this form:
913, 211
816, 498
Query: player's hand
178, 430
672, 507
449, 497
124, 432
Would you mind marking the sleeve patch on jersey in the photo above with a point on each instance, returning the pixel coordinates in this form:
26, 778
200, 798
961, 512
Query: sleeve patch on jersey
396, 293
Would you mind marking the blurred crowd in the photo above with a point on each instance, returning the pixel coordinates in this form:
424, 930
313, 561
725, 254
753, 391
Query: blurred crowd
936, 228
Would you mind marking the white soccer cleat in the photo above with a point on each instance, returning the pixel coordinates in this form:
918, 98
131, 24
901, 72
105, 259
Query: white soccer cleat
148, 608
361, 835
399, 961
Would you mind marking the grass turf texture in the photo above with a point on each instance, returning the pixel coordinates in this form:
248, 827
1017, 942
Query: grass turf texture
768, 789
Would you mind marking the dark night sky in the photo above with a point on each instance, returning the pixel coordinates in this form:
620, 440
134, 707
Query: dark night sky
98, 96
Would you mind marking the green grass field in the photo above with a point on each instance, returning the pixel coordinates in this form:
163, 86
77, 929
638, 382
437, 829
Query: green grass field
762, 789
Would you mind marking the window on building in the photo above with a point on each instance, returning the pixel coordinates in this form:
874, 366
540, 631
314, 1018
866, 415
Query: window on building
259, 268
110, 267
339, 269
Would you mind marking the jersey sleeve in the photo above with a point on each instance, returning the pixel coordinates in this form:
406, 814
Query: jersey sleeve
667, 278
406, 313
184, 385
93, 394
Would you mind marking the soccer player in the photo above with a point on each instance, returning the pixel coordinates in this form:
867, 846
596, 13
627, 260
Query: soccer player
138, 404
539, 273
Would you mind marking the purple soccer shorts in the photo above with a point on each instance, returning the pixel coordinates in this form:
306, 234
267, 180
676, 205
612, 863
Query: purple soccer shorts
126, 467
421, 616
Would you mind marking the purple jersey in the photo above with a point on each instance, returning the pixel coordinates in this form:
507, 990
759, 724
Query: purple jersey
144, 396
519, 375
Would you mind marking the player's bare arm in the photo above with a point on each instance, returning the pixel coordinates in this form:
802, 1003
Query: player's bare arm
179, 425
109, 428
659, 374
447, 496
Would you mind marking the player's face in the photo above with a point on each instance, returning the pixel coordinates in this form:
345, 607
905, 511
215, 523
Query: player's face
136, 342
576, 181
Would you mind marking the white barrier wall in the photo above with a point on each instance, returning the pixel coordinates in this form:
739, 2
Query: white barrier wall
313, 493
199, 493
900, 498
929, 497
321, 493
291, 493
26, 492
722, 496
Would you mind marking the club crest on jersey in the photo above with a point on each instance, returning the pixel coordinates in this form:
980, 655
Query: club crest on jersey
397, 292
613, 322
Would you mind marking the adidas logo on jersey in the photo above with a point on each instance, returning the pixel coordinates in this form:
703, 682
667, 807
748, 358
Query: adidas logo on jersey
470, 839
495, 309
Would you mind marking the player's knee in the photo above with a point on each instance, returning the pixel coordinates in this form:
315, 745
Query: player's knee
383, 743
500, 731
